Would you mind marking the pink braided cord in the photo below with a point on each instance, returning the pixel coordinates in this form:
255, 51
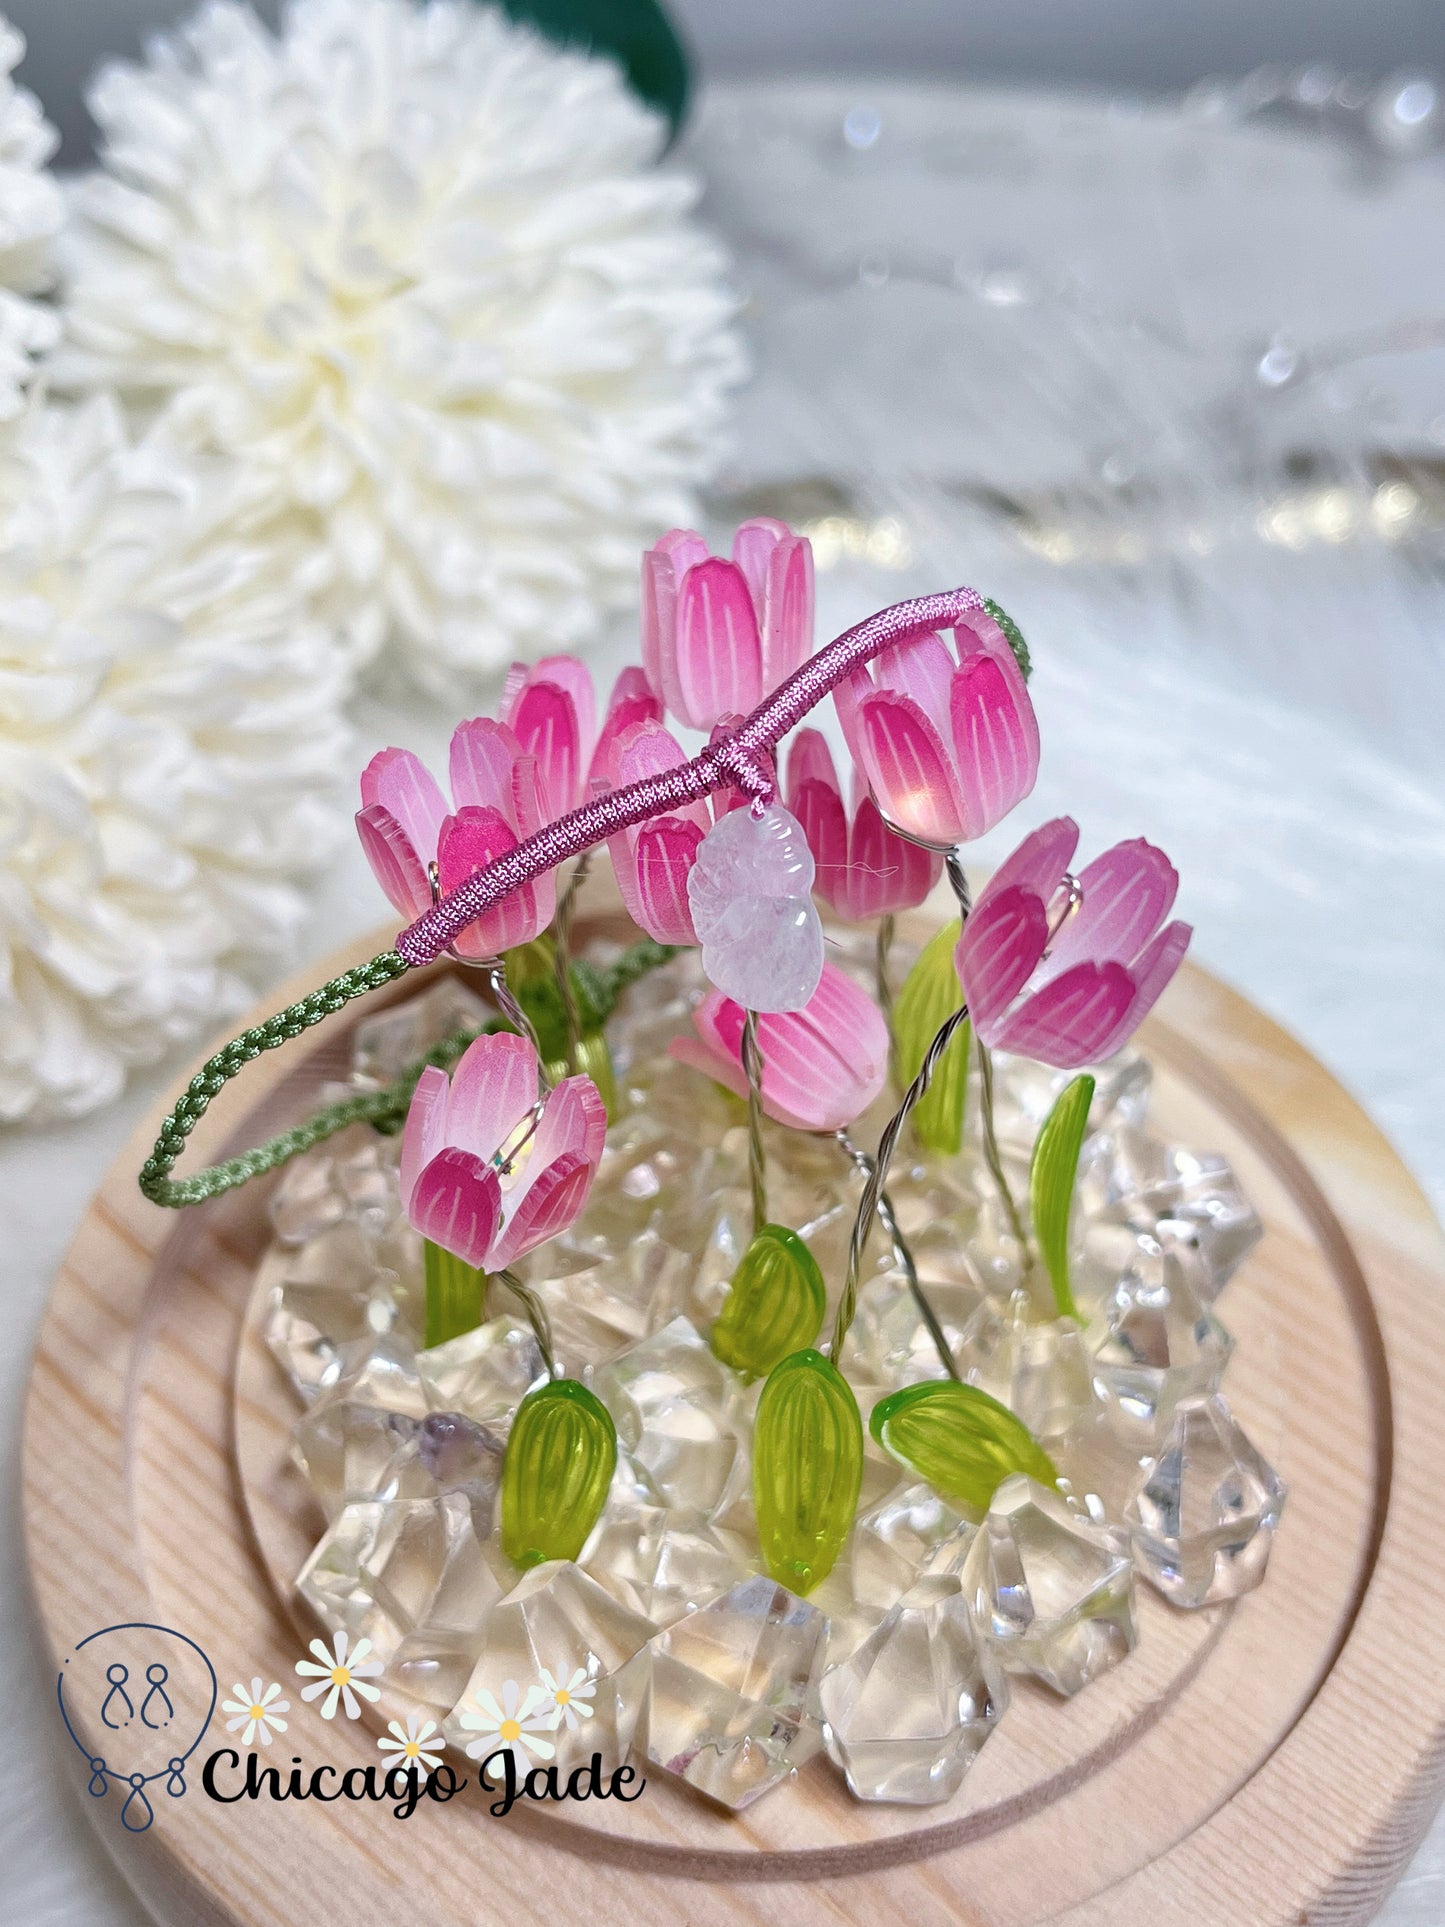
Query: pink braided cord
739, 759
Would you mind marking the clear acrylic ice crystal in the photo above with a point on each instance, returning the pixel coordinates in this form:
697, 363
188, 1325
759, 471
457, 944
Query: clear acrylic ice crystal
1202, 1522
1041, 1370
1188, 1203
351, 1433
660, 1562
911, 1533
731, 1685
906, 1714
670, 1400
1154, 1344
484, 1373
1053, 1593
414, 1577
559, 1621
324, 1298
385, 1045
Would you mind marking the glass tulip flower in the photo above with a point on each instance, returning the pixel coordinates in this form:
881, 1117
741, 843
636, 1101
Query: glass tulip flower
864, 869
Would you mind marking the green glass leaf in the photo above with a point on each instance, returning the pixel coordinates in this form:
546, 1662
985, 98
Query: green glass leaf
636, 33
561, 1454
774, 1305
807, 1468
1051, 1183
964, 1443
928, 998
594, 1060
1013, 636
455, 1293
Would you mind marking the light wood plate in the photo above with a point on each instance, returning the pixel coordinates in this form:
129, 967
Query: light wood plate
1273, 1762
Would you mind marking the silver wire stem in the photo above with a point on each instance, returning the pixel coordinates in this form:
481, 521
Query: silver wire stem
888, 1218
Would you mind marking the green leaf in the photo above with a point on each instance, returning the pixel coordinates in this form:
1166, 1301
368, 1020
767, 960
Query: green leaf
1051, 1183
1013, 636
964, 1443
807, 1468
561, 1454
774, 1304
929, 997
455, 1293
635, 33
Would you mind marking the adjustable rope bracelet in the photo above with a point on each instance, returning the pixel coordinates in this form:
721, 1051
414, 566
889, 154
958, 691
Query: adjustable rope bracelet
741, 759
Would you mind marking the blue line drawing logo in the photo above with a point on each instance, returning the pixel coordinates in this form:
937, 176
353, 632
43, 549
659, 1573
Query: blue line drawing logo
129, 1695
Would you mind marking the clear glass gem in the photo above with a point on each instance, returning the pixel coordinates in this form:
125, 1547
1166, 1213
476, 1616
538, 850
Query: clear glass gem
1203, 1521
906, 1715
413, 1577
486, 1372
1053, 1593
670, 1399
1154, 1345
727, 1707
347, 1440
559, 1622
325, 1297
391, 1042
912, 1533
1187, 1202
1041, 1371
662, 1564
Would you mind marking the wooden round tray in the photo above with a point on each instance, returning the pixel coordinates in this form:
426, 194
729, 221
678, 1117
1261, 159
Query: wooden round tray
1270, 1762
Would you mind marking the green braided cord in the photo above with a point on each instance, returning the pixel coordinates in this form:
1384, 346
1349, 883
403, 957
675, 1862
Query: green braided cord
385, 1109
1013, 636
155, 1178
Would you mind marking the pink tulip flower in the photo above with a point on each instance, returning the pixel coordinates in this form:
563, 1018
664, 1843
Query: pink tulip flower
718, 636
1079, 996
651, 860
550, 709
823, 1065
948, 747
405, 826
864, 870
459, 1184
632, 701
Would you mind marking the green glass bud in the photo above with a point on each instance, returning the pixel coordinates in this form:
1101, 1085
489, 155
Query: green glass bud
807, 1468
561, 1453
594, 1060
774, 1305
964, 1443
930, 995
1051, 1184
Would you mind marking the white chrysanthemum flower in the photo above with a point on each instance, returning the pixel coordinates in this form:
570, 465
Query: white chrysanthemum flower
31, 211
169, 744
413, 265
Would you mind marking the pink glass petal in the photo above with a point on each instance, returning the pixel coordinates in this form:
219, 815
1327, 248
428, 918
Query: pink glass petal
848, 698
542, 1208
545, 722
1001, 945
394, 863
663, 852
493, 1088
810, 761
719, 654
908, 769
574, 1119
995, 742
650, 749
1128, 892
819, 808
1038, 864
406, 789
470, 840
753, 547
632, 702
923, 670
1151, 974
824, 1065
426, 1128
977, 633
457, 1203
663, 567
886, 873
482, 755
787, 620
1071, 1020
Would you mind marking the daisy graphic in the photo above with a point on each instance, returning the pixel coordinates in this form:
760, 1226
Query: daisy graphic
340, 1677
410, 1744
569, 1698
256, 1711
511, 1727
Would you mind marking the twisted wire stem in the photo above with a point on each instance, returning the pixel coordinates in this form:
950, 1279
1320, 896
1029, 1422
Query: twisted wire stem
536, 1316
757, 1164
873, 1189
992, 1156
903, 1256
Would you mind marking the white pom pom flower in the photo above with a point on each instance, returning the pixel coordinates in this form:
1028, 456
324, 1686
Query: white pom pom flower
415, 268
31, 211
169, 750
